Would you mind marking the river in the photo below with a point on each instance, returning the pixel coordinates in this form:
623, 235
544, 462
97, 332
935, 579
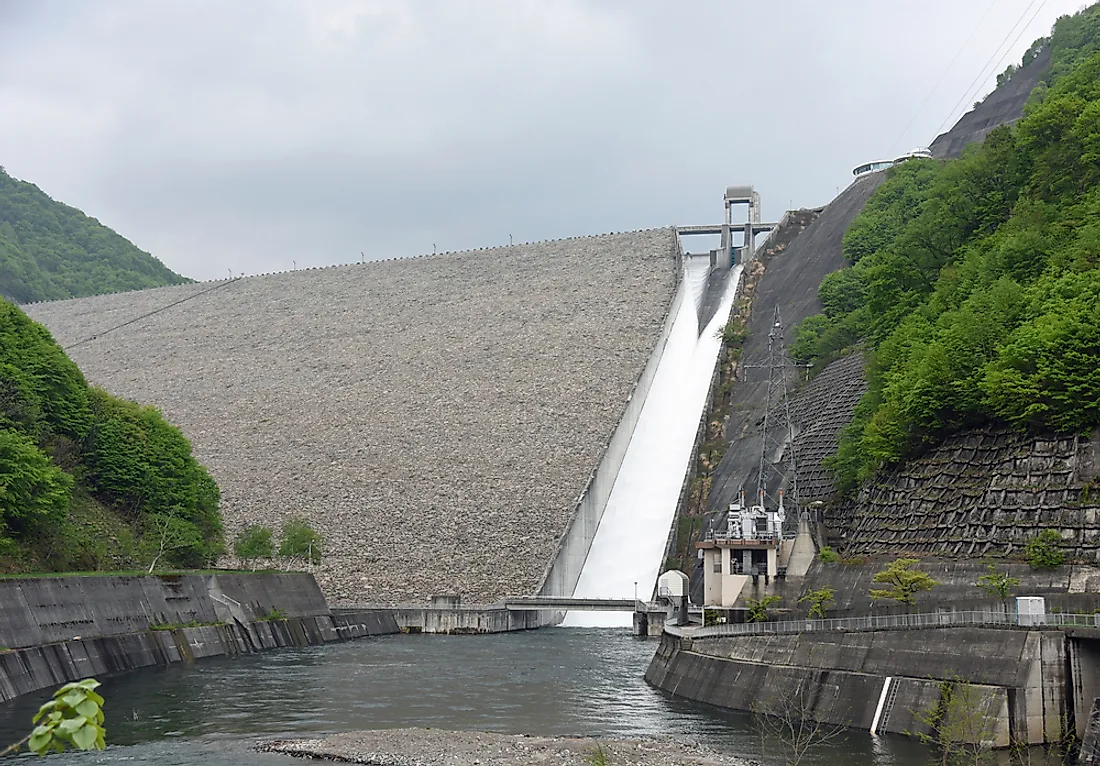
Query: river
554, 681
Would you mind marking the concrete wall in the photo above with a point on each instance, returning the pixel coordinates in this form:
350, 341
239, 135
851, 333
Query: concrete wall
561, 574
469, 620
1018, 676
38, 667
44, 610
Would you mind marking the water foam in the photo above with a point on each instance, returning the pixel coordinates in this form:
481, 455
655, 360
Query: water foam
628, 549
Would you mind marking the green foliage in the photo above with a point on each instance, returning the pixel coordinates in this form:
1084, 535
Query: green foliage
34, 493
72, 719
827, 555
903, 582
274, 614
710, 617
87, 480
996, 583
734, 333
819, 601
598, 757
1042, 551
50, 251
300, 541
143, 466
758, 608
974, 289
254, 542
960, 726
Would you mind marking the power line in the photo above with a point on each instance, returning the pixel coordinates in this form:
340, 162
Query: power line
943, 75
90, 338
997, 56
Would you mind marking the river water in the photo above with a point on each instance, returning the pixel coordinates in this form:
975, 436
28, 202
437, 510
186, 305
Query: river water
559, 681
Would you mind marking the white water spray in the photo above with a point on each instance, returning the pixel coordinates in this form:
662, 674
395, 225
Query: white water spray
629, 545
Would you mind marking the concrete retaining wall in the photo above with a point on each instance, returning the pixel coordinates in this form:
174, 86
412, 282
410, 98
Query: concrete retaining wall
45, 610
469, 620
1018, 676
561, 575
59, 629
38, 667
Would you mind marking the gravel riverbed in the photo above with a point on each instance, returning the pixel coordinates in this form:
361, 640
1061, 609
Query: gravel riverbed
437, 747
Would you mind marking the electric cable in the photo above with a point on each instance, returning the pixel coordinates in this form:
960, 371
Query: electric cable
942, 76
996, 57
128, 322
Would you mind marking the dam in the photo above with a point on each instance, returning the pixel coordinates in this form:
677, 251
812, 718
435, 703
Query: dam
448, 423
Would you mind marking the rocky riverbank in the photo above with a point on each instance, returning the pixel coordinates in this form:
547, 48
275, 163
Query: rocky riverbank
436, 747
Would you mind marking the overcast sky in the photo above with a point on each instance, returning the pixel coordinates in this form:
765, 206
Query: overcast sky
251, 134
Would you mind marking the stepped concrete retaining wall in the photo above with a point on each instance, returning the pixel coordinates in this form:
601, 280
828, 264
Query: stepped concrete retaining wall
59, 629
1019, 676
437, 419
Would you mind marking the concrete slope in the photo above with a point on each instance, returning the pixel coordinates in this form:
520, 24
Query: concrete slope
790, 282
1004, 106
436, 418
984, 492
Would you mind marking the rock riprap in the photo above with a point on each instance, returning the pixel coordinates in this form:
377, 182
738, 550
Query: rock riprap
435, 418
437, 747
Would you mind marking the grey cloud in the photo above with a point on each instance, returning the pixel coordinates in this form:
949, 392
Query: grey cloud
249, 135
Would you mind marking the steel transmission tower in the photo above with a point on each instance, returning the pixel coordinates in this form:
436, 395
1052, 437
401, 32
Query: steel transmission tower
777, 458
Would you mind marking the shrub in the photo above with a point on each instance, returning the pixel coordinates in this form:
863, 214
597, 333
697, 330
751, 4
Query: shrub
254, 542
819, 601
758, 608
300, 541
828, 556
1042, 552
904, 582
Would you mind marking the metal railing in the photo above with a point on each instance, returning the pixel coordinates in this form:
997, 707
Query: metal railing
893, 622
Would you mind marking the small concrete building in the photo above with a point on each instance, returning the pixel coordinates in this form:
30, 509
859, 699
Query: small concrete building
749, 545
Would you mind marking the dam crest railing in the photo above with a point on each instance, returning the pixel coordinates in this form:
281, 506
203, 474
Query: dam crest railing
892, 622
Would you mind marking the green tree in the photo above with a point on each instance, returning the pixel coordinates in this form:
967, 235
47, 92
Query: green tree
819, 601
960, 725
34, 493
998, 584
254, 542
1042, 551
758, 608
300, 541
51, 251
827, 555
903, 582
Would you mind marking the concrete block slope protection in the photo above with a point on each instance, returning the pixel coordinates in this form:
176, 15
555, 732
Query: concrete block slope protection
436, 418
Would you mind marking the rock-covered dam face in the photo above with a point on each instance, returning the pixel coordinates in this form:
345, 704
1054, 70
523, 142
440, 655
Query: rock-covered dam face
436, 418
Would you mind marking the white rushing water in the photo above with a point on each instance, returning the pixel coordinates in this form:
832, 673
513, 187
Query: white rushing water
629, 544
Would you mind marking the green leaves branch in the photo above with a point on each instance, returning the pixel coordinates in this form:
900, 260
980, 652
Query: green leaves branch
72, 719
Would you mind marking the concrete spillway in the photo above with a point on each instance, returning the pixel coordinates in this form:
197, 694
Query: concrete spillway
627, 550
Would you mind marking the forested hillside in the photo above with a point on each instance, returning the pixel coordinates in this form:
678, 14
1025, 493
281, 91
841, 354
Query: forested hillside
51, 251
87, 480
974, 289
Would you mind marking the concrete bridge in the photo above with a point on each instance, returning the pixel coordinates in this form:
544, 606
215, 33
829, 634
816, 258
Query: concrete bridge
543, 603
718, 228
